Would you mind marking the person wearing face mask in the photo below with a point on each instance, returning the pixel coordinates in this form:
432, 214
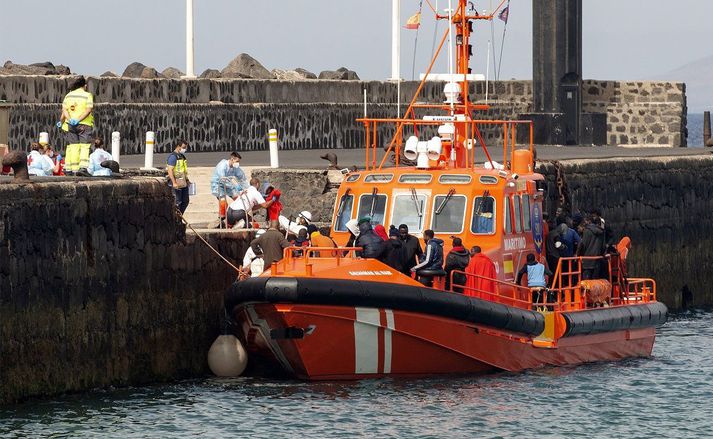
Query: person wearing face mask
38, 162
57, 160
177, 169
96, 159
228, 179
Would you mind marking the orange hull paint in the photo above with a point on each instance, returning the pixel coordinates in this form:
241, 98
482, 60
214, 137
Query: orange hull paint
356, 343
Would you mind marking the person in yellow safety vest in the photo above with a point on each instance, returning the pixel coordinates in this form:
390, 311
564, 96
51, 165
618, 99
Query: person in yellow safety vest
77, 121
177, 169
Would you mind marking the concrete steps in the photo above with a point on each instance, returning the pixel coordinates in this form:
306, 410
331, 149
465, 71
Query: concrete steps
203, 207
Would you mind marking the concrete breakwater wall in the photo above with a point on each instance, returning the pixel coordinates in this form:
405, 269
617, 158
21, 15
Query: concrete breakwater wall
224, 114
661, 203
100, 285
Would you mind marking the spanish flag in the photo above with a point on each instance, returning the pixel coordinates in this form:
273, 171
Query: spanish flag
414, 21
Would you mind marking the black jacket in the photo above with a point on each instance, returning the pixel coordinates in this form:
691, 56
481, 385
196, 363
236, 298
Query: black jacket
457, 259
372, 243
412, 249
592, 244
394, 255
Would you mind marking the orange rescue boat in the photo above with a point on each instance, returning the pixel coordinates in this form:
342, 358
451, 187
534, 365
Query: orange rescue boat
328, 315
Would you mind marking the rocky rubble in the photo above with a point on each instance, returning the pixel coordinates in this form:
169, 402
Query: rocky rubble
42, 68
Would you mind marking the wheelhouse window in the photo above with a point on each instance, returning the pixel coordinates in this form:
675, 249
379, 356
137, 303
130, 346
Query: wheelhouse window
483, 222
448, 213
344, 212
454, 179
508, 216
352, 178
415, 178
526, 220
373, 206
378, 178
517, 214
409, 209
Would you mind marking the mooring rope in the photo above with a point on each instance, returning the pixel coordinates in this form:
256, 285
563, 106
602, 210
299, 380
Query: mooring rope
240, 271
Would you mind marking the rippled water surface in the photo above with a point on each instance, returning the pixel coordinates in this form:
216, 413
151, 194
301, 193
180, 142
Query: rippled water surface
669, 395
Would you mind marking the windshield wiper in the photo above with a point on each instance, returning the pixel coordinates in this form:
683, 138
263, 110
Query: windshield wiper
479, 206
373, 203
414, 197
445, 201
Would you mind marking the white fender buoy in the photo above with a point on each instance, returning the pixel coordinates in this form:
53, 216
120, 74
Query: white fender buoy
227, 357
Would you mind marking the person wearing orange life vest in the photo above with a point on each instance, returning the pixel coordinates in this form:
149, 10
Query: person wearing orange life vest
77, 122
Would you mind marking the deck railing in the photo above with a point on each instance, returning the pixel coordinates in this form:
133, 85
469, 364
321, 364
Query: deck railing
471, 128
567, 292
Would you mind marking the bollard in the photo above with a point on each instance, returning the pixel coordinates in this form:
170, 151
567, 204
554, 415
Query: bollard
707, 129
150, 140
44, 138
116, 146
274, 159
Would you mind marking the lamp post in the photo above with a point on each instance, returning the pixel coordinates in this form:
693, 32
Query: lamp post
189, 40
395, 40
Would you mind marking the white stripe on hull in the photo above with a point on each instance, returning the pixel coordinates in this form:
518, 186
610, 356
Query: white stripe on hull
387, 340
366, 340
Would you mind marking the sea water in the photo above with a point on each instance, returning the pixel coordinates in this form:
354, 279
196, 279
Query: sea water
667, 395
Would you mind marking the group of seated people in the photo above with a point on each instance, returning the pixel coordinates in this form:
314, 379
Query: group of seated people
45, 161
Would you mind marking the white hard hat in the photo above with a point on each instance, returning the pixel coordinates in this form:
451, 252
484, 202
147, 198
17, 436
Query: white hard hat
306, 215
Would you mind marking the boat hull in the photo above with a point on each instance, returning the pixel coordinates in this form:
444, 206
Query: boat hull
319, 342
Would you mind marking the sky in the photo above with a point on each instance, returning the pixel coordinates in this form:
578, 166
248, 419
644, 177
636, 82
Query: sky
632, 39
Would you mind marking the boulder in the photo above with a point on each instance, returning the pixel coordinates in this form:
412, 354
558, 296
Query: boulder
109, 74
342, 74
286, 75
150, 73
172, 73
62, 70
245, 66
45, 68
133, 70
306, 74
210, 74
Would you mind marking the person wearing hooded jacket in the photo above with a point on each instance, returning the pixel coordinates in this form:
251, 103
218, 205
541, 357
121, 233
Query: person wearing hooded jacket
457, 259
432, 259
395, 253
592, 244
372, 245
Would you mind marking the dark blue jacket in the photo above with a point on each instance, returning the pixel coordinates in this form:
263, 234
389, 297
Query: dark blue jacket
372, 244
432, 258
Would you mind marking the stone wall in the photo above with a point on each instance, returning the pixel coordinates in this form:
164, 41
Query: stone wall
663, 204
222, 114
100, 285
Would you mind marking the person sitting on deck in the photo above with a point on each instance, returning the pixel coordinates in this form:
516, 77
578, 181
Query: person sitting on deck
536, 273
431, 260
321, 238
302, 240
480, 272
